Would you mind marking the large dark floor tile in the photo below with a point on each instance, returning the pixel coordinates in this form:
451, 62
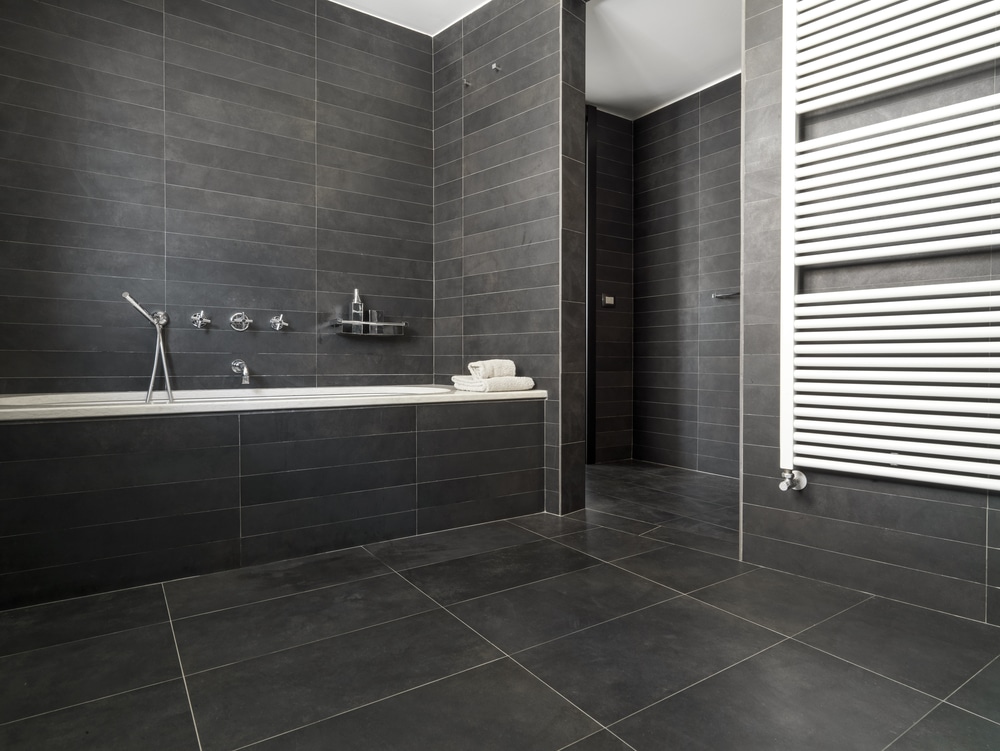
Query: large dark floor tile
684, 569
699, 535
497, 707
630, 509
930, 651
157, 717
473, 576
227, 589
981, 694
424, 550
602, 741
55, 677
522, 617
611, 521
950, 729
80, 618
789, 698
786, 603
609, 544
621, 666
252, 700
234, 634
549, 525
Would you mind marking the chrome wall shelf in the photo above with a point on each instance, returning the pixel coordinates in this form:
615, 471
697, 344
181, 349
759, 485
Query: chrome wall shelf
368, 328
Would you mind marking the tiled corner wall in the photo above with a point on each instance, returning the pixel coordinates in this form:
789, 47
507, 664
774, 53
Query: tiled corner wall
611, 143
930, 546
687, 246
94, 505
509, 208
209, 155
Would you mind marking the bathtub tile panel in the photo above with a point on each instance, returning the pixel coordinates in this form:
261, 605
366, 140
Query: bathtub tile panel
48, 476
478, 511
107, 574
35, 514
266, 458
329, 508
481, 487
267, 427
451, 466
62, 547
316, 482
325, 537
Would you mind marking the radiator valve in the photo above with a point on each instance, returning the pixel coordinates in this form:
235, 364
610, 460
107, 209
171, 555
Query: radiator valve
792, 479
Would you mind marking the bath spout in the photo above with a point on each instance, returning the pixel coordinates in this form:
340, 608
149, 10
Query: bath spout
240, 368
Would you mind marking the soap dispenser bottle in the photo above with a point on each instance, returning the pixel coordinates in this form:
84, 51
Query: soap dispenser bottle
357, 313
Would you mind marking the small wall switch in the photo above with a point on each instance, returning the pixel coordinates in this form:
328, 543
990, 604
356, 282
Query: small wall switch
607, 301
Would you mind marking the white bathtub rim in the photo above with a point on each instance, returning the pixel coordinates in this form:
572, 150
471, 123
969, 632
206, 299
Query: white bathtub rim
80, 405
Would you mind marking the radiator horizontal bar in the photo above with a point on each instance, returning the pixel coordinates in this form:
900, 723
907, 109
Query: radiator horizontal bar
886, 253
897, 431
941, 221
900, 348
943, 448
877, 207
901, 168
903, 408
899, 473
901, 389
976, 332
982, 115
947, 231
870, 19
871, 377
948, 112
953, 192
892, 459
897, 306
912, 291
945, 418
915, 319
872, 40
929, 179
903, 147
836, 14
903, 60
909, 78
956, 363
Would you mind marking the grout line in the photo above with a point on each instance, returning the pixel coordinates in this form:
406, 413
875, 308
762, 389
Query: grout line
180, 665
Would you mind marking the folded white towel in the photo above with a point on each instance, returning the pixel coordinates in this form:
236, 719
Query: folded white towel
503, 383
492, 368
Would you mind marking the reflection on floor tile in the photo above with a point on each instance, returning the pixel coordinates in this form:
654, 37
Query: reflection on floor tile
788, 697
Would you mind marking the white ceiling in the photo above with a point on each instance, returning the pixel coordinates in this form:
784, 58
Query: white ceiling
641, 54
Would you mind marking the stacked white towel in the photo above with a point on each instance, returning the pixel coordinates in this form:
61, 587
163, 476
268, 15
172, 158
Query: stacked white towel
492, 375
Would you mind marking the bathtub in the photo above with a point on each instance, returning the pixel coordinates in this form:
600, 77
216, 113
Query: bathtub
132, 403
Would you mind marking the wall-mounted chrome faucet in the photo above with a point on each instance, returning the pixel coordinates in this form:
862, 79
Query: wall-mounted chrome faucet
240, 321
199, 321
278, 322
240, 368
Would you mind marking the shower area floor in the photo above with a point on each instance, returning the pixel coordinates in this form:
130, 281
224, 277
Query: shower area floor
628, 625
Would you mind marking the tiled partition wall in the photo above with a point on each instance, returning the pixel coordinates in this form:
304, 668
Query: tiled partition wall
509, 210
687, 246
930, 546
217, 156
95, 505
611, 147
